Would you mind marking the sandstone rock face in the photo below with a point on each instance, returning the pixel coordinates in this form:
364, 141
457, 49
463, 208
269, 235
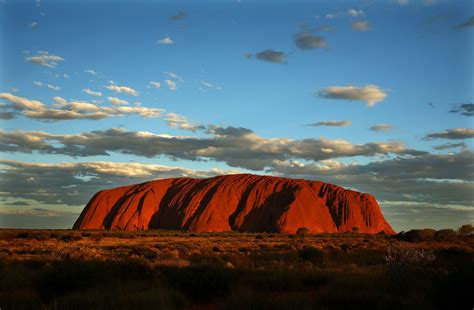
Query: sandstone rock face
240, 202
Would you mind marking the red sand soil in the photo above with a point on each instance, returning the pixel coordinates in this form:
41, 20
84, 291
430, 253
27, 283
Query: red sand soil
239, 202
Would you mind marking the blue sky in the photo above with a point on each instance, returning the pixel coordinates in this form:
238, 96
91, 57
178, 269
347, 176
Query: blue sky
416, 55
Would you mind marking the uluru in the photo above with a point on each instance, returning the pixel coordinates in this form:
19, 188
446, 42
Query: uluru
239, 202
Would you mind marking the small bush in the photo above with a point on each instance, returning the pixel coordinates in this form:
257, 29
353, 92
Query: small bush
201, 283
417, 235
311, 254
445, 235
302, 231
466, 230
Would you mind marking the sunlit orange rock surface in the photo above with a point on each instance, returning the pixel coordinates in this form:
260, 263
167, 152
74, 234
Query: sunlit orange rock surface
240, 202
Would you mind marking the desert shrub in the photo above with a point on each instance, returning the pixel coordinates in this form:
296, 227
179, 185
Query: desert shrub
201, 283
206, 259
62, 277
454, 258
466, 230
70, 237
311, 254
401, 255
22, 235
454, 291
417, 235
345, 247
445, 235
75, 253
282, 280
302, 231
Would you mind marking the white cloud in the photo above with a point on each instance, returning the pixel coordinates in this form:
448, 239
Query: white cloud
165, 41
372, 94
171, 85
174, 76
53, 87
37, 83
122, 89
355, 13
118, 101
237, 147
361, 25
92, 72
155, 84
454, 133
331, 123
92, 93
180, 121
20, 103
33, 24
74, 183
210, 86
381, 127
44, 59
67, 110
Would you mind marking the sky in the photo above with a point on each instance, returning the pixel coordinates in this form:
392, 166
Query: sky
374, 96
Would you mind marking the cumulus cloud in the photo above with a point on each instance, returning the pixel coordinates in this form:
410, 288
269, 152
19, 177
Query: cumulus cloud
37, 83
92, 93
381, 127
454, 133
430, 178
271, 56
331, 123
74, 184
33, 24
182, 122
307, 41
171, 85
44, 59
114, 100
165, 41
180, 15
355, 13
122, 89
361, 25
155, 84
466, 24
466, 109
372, 94
67, 110
237, 147
20, 103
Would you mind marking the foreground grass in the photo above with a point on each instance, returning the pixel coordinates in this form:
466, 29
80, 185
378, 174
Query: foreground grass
54, 269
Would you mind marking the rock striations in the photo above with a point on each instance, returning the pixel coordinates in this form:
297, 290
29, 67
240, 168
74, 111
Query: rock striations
240, 202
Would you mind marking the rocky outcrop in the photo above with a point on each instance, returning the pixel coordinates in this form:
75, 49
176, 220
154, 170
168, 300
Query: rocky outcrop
240, 202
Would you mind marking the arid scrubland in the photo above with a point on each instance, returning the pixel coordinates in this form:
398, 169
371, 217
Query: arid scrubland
62, 269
